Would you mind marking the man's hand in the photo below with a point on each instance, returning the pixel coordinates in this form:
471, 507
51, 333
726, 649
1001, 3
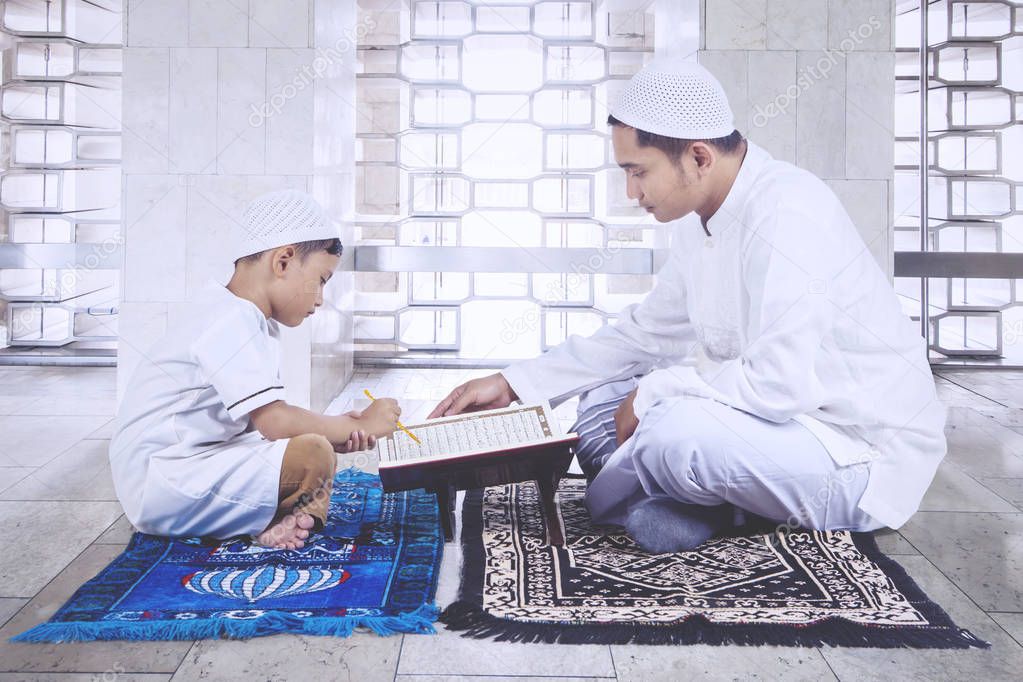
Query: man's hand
486, 393
380, 418
625, 419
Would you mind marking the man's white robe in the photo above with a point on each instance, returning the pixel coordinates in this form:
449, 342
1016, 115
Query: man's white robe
782, 313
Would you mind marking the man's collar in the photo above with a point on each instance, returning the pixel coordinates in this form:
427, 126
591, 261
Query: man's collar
731, 207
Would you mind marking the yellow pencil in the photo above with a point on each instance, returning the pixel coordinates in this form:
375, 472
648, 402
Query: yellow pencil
400, 426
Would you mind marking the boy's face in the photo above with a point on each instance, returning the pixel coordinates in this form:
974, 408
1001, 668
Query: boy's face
297, 290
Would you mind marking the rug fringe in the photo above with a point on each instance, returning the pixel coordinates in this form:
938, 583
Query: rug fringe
475, 623
419, 621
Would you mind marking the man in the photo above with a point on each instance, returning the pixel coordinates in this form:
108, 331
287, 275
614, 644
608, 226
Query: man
770, 369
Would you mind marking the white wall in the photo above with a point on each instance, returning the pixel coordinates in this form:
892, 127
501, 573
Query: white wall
224, 101
812, 81
194, 153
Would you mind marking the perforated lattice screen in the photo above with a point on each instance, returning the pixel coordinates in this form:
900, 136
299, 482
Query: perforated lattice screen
483, 125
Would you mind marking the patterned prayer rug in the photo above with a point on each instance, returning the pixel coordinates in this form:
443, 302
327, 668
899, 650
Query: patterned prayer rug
788, 587
374, 565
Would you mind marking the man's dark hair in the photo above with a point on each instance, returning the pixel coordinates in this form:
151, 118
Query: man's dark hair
304, 250
675, 147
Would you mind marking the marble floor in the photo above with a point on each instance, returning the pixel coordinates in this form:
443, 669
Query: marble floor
964, 547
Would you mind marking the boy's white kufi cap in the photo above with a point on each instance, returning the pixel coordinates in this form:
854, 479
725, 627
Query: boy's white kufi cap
281, 218
675, 98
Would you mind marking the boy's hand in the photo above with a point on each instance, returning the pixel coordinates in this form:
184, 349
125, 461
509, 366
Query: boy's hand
380, 418
359, 440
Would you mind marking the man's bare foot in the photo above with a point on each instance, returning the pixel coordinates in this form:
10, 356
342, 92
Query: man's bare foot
289, 532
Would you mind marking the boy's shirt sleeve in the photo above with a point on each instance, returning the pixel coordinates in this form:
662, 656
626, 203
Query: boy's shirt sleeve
241, 361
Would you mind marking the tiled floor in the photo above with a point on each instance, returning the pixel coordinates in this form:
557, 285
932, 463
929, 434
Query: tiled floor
965, 548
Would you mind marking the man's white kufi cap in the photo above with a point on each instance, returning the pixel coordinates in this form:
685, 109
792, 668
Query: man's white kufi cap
281, 218
675, 98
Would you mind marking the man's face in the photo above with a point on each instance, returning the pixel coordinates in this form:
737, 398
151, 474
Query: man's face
665, 188
300, 286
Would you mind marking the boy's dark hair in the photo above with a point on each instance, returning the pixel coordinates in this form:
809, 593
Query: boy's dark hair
304, 250
675, 147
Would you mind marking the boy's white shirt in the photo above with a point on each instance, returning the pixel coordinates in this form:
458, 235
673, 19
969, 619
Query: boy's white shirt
183, 429
782, 313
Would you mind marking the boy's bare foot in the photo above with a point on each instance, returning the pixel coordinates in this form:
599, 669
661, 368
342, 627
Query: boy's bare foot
289, 532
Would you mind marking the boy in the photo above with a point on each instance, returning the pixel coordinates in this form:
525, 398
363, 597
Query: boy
205, 443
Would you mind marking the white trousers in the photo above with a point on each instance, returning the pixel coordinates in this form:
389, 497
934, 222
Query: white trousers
699, 451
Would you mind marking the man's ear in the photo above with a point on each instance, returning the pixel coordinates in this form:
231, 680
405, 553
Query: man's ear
703, 155
282, 259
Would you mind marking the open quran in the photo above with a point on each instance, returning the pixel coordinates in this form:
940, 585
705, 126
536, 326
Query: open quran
479, 449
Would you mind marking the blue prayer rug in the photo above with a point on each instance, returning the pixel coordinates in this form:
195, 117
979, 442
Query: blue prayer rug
374, 565
785, 587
